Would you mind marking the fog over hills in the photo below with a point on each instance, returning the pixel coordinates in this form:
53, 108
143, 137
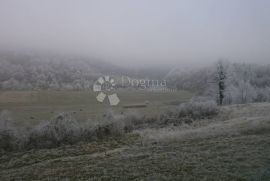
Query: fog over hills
141, 33
135, 90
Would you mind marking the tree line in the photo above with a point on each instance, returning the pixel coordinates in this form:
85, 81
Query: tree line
226, 82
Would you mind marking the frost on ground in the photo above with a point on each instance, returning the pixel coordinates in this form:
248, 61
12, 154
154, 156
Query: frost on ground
231, 146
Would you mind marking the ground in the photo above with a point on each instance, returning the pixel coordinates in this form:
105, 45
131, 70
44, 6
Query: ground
235, 145
33, 106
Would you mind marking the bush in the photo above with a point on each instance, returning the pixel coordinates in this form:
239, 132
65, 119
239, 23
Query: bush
186, 113
62, 129
133, 120
198, 108
8, 134
117, 125
8, 140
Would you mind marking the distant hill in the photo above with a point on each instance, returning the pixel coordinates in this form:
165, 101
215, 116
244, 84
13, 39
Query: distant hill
34, 71
51, 71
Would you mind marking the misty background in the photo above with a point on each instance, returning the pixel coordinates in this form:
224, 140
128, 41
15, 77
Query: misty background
140, 33
194, 46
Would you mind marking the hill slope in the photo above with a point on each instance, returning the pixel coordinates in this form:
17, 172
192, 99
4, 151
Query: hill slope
233, 146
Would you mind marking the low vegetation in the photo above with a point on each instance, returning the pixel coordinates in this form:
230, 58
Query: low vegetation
63, 129
235, 147
198, 108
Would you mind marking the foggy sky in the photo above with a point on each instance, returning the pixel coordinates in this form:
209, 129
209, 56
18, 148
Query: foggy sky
141, 32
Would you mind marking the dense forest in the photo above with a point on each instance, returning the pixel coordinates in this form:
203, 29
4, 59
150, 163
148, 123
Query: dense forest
243, 82
50, 72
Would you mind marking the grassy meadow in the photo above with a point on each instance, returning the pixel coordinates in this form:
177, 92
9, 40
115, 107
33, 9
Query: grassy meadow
33, 106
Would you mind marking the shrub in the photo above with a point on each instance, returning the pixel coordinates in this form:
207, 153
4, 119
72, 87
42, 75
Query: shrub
8, 134
8, 140
110, 129
62, 129
198, 108
116, 125
133, 120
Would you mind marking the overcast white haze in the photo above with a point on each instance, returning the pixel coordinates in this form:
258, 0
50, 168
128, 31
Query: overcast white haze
141, 32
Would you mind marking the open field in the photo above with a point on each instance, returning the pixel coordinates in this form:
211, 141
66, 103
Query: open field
232, 146
33, 106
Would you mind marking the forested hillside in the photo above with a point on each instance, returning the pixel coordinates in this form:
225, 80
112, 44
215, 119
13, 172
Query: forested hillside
26, 71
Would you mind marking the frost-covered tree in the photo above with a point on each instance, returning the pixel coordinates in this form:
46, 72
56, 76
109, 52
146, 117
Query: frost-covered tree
221, 76
10, 84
